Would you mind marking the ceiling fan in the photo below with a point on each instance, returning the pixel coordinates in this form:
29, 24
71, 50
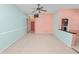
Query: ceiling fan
39, 9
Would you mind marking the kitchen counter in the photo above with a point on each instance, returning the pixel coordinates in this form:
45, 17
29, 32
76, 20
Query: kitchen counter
72, 32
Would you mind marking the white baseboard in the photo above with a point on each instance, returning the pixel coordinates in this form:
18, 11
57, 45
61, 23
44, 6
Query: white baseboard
10, 44
5, 33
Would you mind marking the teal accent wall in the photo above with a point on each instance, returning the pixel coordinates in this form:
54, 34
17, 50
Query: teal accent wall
12, 25
63, 36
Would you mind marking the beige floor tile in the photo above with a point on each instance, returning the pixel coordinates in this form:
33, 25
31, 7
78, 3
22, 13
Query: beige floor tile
38, 43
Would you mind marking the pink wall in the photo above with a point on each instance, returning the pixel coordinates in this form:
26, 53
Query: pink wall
43, 24
73, 40
73, 16
73, 25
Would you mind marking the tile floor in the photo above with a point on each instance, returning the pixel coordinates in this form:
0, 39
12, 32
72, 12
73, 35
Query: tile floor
38, 43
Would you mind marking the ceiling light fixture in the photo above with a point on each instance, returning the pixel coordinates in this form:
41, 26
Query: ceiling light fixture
38, 10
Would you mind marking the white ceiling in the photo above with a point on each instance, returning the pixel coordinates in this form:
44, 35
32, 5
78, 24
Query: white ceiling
53, 8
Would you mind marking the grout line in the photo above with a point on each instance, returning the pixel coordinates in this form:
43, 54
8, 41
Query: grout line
75, 50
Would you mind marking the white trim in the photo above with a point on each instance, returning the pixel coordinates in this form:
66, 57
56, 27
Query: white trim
10, 44
3, 33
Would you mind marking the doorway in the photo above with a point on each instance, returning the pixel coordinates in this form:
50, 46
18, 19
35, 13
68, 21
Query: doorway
32, 26
28, 25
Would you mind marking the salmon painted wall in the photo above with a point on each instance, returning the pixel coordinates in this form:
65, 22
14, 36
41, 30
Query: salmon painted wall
73, 24
43, 24
73, 16
61, 35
